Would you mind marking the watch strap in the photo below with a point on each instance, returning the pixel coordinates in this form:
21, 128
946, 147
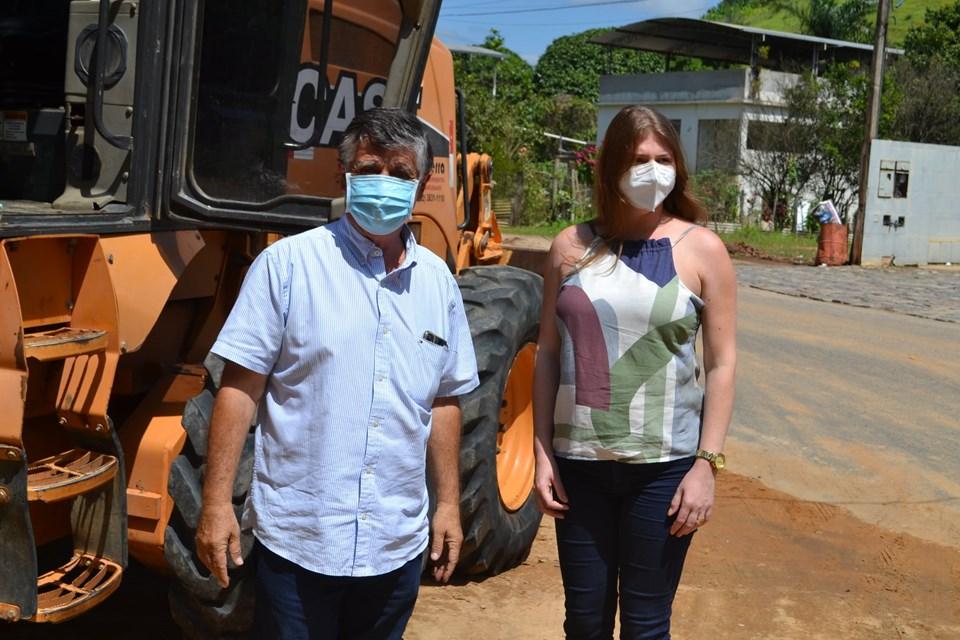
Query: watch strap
717, 460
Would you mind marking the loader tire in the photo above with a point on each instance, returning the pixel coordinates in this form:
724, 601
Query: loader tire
497, 505
197, 603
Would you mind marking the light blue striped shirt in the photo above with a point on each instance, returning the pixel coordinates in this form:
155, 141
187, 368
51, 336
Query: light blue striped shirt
339, 481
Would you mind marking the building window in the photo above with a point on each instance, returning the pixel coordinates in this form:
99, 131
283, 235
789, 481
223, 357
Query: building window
763, 135
718, 145
901, 179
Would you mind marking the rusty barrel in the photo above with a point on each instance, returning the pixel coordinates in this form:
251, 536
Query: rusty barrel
832, 244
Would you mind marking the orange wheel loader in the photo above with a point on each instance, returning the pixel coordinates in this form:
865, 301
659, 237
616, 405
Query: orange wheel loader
149, 149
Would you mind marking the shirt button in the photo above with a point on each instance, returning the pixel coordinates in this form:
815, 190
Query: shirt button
363, 516
386, 332
376, 424
377, 252
369, 470
379, 378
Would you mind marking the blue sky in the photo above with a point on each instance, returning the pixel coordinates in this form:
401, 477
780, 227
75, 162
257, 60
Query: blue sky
529, 26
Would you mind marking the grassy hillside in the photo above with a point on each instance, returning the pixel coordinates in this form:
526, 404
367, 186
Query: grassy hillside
767, 14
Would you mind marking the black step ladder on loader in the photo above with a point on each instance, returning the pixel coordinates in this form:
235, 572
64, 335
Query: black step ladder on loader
58, 357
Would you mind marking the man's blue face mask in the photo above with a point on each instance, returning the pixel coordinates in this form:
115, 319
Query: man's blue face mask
380, 204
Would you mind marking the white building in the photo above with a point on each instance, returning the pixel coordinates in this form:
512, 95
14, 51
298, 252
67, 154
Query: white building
720, 115
711, 110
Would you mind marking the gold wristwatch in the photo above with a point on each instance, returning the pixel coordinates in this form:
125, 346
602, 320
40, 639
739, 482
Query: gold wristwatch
717, 460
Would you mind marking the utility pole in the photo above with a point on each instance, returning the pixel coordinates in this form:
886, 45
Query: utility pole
873, 119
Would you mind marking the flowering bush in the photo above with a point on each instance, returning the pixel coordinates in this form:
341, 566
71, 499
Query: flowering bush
586, 160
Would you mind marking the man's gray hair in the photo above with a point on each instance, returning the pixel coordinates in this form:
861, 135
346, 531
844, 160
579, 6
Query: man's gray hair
387, 130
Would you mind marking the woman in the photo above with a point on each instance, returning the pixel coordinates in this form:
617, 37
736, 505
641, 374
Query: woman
627, 442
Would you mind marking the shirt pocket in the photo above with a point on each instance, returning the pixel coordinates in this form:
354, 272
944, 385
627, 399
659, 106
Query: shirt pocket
427, 370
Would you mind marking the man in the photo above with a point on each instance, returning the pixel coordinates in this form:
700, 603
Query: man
353, 342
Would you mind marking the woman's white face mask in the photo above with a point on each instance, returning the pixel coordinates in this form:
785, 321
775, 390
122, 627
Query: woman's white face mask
647, 185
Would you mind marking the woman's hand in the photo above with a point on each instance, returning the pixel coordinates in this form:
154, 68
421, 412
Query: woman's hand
551, 496
693, 501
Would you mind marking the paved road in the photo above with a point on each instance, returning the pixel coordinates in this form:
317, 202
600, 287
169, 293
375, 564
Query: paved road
852, 406
926, 293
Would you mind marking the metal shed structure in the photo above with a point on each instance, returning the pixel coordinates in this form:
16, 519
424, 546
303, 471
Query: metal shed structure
736, 44
715, 112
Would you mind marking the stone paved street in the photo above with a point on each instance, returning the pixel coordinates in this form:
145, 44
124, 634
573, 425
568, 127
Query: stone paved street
927, 293
924, 292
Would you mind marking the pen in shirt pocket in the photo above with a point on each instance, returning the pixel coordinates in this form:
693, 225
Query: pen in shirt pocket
429, 336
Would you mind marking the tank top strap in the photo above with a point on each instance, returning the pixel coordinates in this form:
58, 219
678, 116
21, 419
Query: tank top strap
684, 234
595, 241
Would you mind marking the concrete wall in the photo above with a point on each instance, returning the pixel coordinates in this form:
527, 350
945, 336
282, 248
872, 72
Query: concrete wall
697, 96
930, 211
692, 96
687, 97
678, 86
772, 86
689, 116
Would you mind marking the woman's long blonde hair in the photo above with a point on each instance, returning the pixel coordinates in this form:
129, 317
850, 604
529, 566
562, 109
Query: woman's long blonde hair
617, 154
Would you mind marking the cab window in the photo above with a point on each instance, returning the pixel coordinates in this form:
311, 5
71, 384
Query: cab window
266, 125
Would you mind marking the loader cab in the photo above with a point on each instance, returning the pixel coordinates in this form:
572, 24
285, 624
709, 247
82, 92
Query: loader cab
270, 93
199, 113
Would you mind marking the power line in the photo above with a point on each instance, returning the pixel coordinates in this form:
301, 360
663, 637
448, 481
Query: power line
699, 11
554, 8
584, 23
473, 4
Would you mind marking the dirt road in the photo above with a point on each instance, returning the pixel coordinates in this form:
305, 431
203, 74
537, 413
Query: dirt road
856, 407
852, 414
768, 566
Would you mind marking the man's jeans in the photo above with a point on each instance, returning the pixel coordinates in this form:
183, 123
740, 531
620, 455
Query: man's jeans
296, 604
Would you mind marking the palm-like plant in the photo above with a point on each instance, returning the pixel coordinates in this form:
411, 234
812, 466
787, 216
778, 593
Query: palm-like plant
835, 19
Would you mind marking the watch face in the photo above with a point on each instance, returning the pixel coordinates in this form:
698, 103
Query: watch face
720, 461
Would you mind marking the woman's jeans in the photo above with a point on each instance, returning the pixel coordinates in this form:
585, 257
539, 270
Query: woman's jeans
617, 530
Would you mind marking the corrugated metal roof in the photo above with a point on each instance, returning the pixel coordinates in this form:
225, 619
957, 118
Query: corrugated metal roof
473, 50
734, 43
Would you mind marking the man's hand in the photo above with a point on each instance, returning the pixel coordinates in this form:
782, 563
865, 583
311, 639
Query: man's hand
446, 540
218, 535
443, 453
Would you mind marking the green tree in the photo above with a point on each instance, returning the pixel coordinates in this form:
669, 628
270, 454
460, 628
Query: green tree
837, 19
924, 85
928, 103
813, 146
568, 116
505, 125
733, 11
505, 121
832, 106
501, 124
572, 65
937, 38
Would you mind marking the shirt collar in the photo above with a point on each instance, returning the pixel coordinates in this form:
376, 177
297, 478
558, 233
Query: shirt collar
364, 249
